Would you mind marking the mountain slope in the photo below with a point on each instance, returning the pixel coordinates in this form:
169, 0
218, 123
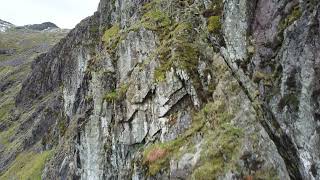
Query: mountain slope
18, 48
177, 90
4, 25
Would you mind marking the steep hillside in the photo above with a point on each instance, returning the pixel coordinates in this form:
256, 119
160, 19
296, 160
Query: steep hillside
18, 48
174, 89
4, 25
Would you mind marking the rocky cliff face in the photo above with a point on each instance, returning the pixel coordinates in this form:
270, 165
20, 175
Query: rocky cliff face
191, 89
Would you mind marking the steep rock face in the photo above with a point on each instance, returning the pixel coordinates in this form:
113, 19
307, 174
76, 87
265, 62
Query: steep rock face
183, 90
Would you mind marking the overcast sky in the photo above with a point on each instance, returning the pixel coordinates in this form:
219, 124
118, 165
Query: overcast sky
64, 13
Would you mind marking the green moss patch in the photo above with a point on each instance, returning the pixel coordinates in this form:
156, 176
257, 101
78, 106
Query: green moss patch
214, 24
178, 50
289, 19
111, 33
111, 38
117, 94
155, 20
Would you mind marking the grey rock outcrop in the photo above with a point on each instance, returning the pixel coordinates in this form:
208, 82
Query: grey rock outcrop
182, 90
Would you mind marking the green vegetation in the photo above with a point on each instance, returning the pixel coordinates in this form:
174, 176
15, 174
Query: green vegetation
160, 72
219, 151
178, 50
158, 156
23, 40
118, 94
292, 17
111, 37
155, 20
5, 136
111, 96
214, 24
28, 165
5, 110
215, 113
111, 34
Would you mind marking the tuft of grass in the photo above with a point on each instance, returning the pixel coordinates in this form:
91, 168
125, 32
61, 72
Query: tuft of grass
219, 152
111, 96
111, 33
28, 165
111, 38
214, 24
117, 94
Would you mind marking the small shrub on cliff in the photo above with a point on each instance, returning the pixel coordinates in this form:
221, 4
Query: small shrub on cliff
116, 94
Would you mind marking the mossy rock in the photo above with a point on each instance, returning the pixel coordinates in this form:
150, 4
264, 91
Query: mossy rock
170, 149
220, 145
289, 19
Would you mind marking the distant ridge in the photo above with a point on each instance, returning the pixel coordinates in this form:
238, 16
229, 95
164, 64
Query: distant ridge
5, 25
39, 27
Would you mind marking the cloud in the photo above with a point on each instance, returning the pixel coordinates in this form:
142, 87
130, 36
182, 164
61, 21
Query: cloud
64, 13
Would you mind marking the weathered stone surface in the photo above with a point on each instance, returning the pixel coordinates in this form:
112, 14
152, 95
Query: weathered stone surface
183, 90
